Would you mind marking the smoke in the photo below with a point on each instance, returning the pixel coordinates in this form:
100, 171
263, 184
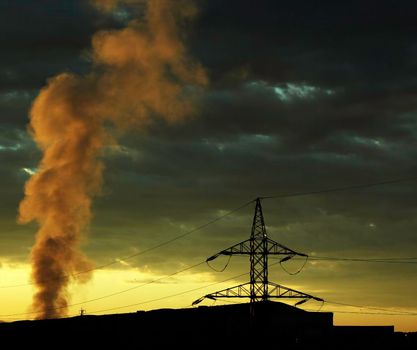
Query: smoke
140, 72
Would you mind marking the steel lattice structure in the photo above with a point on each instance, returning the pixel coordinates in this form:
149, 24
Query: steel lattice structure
259, 247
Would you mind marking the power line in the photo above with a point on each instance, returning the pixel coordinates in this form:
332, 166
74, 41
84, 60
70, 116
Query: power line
173, 295
340, 189
162, 244
295, 272
385, 311
170, 296
366, 259
365, 313
398, 312
398, 260
373, 260
177, 294
391, 260
209, 223
12, 319
284, 195
129, 289
110, 295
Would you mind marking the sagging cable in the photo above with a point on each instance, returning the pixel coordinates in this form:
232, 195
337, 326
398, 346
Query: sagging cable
214, 257
290, 257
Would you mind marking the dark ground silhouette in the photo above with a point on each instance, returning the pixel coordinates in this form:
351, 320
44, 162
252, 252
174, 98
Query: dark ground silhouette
269, 324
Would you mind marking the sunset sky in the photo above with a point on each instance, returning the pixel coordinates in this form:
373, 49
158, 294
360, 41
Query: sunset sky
302, 96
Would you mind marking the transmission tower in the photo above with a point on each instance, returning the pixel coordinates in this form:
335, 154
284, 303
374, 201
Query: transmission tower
258, 247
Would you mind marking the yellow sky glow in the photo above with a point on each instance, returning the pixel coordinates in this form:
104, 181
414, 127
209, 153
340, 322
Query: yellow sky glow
104, 282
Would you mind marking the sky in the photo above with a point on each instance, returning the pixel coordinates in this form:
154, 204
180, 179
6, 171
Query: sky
302, 96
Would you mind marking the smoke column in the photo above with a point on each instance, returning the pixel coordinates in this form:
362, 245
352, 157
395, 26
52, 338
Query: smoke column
139, 72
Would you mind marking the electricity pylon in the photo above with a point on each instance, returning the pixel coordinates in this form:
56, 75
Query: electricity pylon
259, 247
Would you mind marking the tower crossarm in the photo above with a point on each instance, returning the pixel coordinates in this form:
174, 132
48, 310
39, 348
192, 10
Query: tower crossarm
240, 248
275, 248
244, 248
279, 291
276, 291
240, 291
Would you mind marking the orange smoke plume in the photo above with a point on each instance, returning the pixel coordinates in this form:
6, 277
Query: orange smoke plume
141, 72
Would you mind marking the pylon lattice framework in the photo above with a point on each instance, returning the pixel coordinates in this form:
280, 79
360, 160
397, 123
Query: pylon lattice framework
258, 247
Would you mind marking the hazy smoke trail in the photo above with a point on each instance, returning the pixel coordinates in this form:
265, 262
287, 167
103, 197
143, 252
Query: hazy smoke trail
141, 72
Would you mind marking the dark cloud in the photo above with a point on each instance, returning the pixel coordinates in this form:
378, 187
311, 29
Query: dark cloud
324, 41
43, 38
